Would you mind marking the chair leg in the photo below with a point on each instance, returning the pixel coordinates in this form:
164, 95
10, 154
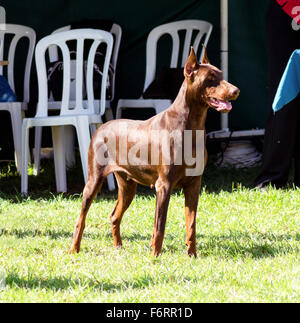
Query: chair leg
37, 149
59, 158
69, 139
93, 129
83, 135
119, 112
108, 114
29, 155
16, 121
111, 182
25, 154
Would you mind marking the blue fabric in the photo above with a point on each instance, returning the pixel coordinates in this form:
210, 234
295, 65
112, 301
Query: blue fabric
6, 93
289, 86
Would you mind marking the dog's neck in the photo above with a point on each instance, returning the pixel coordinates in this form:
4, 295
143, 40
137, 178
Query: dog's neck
189, 110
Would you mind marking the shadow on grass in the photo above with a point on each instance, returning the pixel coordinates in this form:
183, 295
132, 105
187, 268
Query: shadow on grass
63, 283
43, 186
24, 233
243, 244
239, 244
235, 244
215, 179
133, 237
57, 234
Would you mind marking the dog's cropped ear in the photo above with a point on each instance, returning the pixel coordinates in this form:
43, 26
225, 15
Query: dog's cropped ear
191, 65
205, 59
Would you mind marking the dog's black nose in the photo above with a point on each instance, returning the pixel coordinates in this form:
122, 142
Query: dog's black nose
235, 92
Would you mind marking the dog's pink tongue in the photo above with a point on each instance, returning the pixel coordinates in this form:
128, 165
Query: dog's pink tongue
224, 106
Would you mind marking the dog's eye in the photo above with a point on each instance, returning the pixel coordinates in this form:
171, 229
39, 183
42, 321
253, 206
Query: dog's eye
211, 76
211, 81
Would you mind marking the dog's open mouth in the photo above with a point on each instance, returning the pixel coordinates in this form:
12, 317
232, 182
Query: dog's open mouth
220, 105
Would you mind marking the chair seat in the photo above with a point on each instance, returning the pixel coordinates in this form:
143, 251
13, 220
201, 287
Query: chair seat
6, 106
158, 104
61, 120
145, 103
56, 105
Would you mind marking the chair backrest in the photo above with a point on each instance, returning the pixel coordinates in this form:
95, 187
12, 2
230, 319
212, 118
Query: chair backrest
59, 40
17, 32
202, 31
116, 31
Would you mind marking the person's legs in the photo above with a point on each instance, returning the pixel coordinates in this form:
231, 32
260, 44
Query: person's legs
297, 154
280, 143
281, 128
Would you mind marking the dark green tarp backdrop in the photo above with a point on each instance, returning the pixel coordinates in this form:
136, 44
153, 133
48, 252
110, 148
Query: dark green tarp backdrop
247, 43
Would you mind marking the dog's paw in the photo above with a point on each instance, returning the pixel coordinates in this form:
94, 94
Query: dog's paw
156, 254
192, 253
72, 250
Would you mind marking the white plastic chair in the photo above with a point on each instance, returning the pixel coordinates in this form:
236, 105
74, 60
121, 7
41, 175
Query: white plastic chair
202, 29
79, 113
116, 31
16, 109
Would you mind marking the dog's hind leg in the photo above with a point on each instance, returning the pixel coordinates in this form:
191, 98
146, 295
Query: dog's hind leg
91, 189
191, 194
126, 192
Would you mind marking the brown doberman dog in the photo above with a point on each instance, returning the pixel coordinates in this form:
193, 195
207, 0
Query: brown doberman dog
113, 142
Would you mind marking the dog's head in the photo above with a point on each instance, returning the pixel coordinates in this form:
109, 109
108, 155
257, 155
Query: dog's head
206, 85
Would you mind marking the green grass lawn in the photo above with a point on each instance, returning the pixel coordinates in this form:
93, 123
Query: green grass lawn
247, 241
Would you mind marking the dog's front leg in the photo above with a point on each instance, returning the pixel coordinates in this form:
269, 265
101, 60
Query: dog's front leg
191, 194
163, 192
